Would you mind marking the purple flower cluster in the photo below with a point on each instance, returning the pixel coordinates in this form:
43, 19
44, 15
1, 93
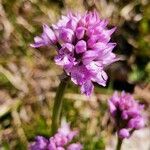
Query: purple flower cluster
83, 47
127, 114
60, 141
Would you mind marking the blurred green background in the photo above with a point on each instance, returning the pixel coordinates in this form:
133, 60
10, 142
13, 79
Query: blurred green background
29, 77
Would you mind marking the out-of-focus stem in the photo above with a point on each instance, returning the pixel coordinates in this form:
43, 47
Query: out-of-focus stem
57, 108
118, 147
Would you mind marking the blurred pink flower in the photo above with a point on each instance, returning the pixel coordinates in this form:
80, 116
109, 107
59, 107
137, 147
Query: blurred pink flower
127, 114
60, 141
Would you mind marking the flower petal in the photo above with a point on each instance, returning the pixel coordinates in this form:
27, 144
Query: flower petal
87, 88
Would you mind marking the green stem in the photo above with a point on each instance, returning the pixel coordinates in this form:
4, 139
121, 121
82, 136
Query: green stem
119, 144
57, 108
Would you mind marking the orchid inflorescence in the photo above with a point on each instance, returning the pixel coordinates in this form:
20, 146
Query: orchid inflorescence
83, 47
127, 113
62, 140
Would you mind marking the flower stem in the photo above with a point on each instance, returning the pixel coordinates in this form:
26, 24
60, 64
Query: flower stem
57, 108
118, 147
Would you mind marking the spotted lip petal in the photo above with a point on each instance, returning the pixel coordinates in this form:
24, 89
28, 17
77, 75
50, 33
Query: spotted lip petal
87, 88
